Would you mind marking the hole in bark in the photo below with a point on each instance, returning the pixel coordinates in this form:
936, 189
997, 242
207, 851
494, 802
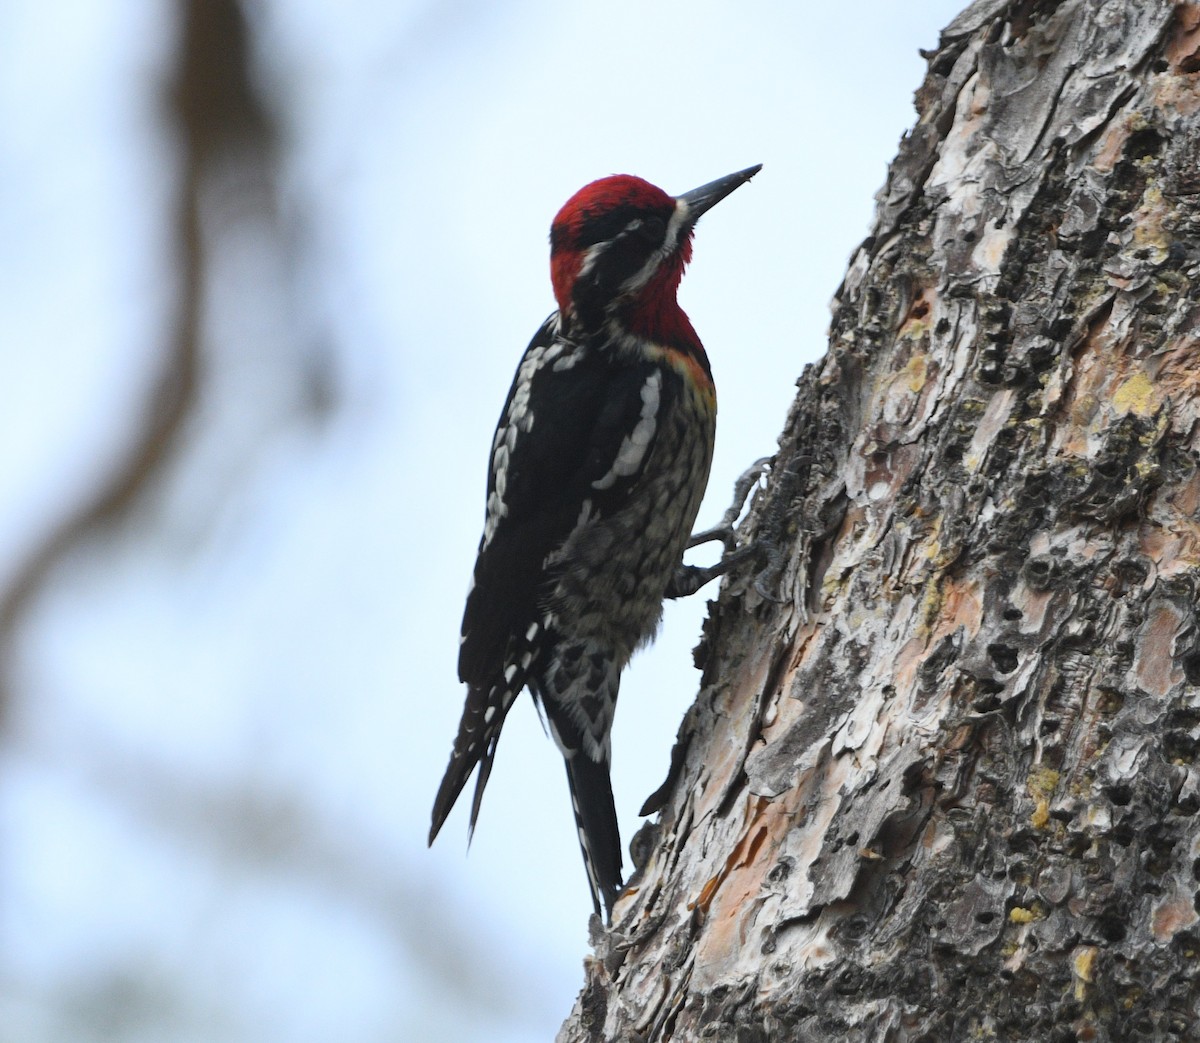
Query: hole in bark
1163, 841
1111, 929
987, 916
986, 704
848, 982
1189, 805
1043, 356
781, 871
942, 328
1004, 656
1119, 794
1023, 842
1050, 725
1070, 1009
1130, 573
1177, 255
1122, 836
1038, 572
990, 372
854, 927
968, 237
1012, 614
1143, 144
1159, 862
1017, 376
1078, 845
1191, 667
1179, 747
1186, 943
1058, 328
1093, 242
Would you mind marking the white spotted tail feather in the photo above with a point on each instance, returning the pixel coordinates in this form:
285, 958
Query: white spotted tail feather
478, 733
598, 466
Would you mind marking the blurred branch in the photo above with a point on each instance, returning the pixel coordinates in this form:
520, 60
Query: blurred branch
218, 113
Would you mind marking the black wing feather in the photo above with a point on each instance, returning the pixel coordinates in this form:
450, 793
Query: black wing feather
582, 415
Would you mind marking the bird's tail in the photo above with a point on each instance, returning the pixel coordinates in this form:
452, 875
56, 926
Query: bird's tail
596, 821
579, 695
478, 733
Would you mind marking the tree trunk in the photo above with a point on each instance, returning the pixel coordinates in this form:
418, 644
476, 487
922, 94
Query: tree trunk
946, 788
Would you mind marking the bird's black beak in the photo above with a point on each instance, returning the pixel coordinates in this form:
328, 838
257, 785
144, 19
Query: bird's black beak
705, 197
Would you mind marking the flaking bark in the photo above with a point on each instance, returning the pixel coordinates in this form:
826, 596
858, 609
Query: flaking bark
947, 789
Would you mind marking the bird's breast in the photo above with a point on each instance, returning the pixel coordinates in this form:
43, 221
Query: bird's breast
613, 570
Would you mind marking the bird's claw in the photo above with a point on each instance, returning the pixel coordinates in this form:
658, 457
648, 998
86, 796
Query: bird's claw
725, 531
690, 578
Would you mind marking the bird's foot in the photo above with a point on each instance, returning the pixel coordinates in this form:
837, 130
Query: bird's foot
690, 578
726, 529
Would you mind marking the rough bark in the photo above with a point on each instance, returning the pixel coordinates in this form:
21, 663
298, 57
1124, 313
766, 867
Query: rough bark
947, 788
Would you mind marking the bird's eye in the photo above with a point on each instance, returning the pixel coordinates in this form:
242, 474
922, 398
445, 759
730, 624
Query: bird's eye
653, 229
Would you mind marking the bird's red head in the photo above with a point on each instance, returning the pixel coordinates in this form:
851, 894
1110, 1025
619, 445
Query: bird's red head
618, 247
605, 234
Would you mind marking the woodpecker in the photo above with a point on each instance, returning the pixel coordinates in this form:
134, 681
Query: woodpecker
598, 465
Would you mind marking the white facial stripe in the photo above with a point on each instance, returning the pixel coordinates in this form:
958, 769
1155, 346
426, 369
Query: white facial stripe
675, 226
589, 258
678, 219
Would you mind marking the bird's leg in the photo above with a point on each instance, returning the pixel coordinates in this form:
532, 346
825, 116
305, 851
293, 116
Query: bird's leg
690, 578
725, 531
